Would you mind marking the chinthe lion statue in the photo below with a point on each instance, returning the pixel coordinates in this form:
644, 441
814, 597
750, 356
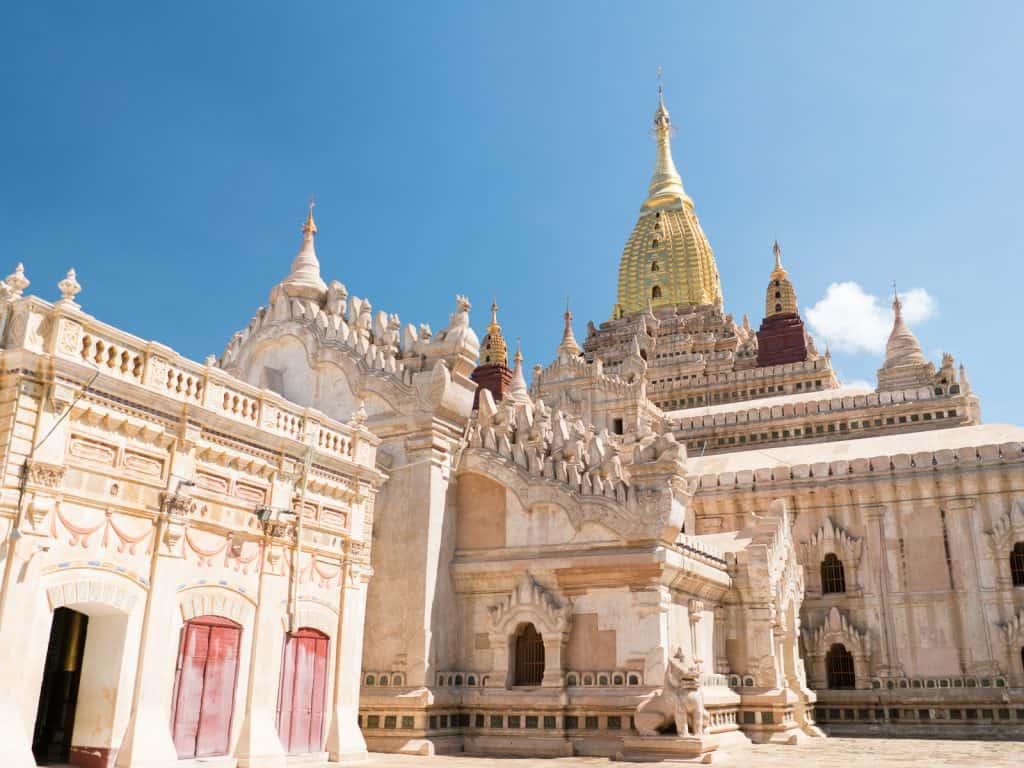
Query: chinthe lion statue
679, 703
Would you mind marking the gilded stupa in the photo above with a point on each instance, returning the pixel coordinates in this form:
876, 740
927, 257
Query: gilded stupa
667, 260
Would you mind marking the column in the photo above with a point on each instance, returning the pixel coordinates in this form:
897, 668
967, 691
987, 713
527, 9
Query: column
344, 739
258, 743
554, 659
147, 740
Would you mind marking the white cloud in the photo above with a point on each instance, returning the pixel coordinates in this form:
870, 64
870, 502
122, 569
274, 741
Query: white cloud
852, 320
862, 383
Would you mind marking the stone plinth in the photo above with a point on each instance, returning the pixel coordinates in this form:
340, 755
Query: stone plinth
669, 749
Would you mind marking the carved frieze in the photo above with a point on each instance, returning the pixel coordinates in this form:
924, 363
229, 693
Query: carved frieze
46, 475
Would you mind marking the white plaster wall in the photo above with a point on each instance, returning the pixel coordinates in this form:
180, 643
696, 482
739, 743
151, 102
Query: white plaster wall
638, 630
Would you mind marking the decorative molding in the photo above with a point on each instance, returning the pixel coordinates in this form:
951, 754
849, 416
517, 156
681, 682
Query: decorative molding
71, 594
46, 475
529, 601
1013, 630
831, 538
1007, 529
837, 629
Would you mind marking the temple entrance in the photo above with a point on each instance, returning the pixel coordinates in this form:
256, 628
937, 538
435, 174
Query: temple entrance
300, 704
204, 686
58, 697
529, 656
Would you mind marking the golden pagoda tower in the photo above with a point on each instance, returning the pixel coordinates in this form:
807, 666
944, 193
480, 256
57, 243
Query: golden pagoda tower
667, 259
493, 372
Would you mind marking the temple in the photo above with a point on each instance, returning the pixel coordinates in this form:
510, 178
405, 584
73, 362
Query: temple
352, 533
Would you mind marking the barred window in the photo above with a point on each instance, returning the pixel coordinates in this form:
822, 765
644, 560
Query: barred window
833, 577
529, 655
1017, 564
839, 667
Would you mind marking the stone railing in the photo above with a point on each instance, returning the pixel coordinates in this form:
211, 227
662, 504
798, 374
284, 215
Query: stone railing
970, 456
74, 336
748, 375
760, 414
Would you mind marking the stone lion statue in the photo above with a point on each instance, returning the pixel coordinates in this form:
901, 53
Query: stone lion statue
679, 703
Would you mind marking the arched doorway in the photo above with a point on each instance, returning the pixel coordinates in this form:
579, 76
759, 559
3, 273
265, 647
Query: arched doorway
839, 667
204, 686
300, 701
58, 696
529, 656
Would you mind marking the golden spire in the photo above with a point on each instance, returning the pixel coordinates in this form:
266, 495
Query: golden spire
493, 350
309, 228
779, 271
781, 296
668, 260
666, 185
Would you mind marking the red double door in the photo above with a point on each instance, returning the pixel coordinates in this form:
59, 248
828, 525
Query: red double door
300, 703
204, 686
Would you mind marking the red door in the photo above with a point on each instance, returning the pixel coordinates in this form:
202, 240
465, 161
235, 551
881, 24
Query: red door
300, 702
204, 686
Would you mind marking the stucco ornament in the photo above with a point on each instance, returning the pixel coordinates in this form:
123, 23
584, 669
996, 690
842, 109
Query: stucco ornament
679, 703
529, 601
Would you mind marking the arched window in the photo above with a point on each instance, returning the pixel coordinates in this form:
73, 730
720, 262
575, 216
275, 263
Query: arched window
654, 243
1017, 564
833, 577
839, 667
656, 292
529, 655
778, 307
778, 294
655, 267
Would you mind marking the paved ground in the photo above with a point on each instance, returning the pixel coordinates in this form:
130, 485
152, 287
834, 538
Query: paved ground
830, 753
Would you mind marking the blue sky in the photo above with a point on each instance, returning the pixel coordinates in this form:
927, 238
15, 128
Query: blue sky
167, 150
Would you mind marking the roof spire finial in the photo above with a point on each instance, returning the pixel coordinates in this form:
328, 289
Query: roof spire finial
518, 391
567, 347
779, 272
309, 228
666, 186
304, 278
897, 305
493, 350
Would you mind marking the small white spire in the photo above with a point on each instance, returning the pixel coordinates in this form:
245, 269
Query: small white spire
304, 278
568, 348
518, 390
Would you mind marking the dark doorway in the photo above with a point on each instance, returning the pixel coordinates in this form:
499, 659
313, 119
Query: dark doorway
55, 718
839, 667
529, 656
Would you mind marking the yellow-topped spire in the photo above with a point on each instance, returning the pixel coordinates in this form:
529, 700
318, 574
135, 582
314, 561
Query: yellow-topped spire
668, 260
779, 271
304, 278
781, 296
309, 228
493, 350
666, 185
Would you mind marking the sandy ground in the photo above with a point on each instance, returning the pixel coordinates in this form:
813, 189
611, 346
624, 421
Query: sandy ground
830, 753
